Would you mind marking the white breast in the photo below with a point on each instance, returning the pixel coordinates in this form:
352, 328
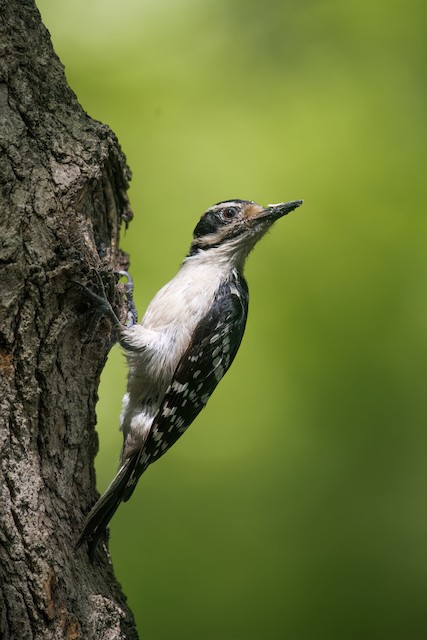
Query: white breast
158, 343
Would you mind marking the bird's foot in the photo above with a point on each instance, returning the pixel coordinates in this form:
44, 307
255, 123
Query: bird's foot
102, 306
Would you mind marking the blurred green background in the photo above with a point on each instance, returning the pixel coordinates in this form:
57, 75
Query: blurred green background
295, 506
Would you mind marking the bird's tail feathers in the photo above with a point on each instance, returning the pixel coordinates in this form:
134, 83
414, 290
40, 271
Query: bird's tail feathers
104, 509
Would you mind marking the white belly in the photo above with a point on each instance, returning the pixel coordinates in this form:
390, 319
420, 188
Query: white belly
158, 344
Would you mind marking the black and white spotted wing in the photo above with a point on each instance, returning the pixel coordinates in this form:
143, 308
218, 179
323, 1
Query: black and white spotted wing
215, 343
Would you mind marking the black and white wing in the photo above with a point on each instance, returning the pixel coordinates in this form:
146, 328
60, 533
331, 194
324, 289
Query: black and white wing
212, 350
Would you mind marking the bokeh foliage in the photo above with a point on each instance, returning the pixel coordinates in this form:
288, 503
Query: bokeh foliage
295, 507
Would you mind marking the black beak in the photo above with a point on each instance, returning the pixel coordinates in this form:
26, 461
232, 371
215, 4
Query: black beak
275, 211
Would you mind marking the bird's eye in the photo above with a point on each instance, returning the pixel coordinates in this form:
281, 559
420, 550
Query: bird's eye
228, 214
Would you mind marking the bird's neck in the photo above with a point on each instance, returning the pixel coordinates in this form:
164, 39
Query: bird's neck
225, 257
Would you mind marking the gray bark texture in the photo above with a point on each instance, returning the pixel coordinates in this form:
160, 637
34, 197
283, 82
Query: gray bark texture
63, 181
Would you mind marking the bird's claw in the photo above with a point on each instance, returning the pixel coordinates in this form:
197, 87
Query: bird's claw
101, 307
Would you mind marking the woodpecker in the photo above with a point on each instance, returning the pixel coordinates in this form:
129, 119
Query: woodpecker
184, 344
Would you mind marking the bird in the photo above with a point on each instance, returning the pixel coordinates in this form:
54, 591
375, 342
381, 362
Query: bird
184, 344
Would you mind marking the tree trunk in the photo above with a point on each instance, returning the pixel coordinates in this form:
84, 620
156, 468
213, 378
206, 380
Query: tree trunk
63, 181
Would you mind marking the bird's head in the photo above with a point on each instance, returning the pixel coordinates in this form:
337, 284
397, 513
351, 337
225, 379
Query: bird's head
230, 229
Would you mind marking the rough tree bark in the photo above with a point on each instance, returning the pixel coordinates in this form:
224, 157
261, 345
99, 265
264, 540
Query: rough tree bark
63, 181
